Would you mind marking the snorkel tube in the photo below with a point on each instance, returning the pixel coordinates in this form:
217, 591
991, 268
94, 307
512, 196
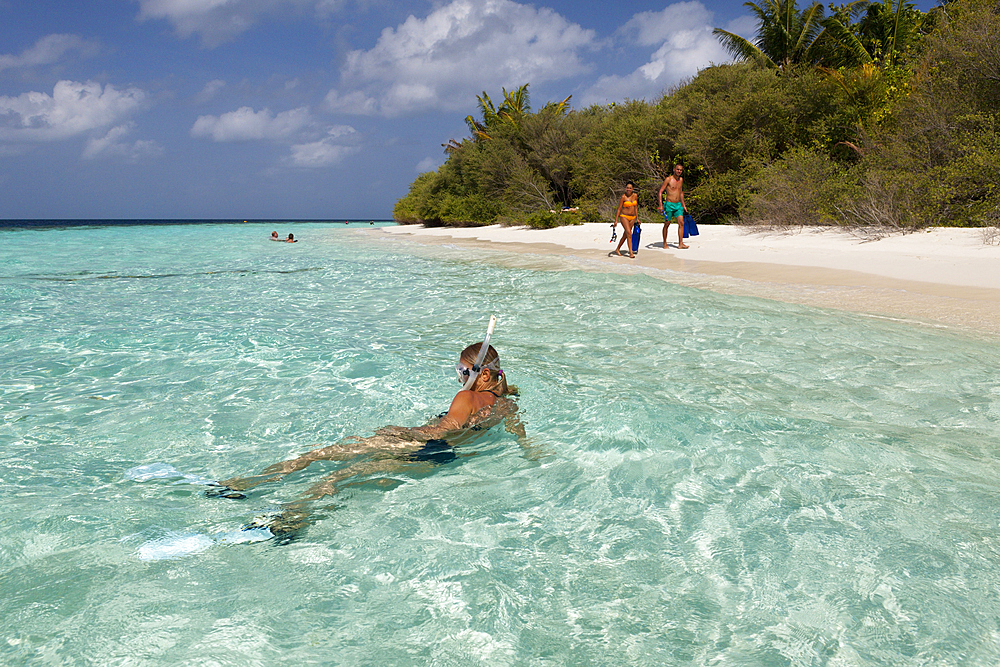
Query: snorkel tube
476, 367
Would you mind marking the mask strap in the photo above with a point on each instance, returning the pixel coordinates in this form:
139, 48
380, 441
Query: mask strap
476, 367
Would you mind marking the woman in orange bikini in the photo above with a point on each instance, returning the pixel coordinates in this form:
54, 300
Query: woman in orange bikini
628, 211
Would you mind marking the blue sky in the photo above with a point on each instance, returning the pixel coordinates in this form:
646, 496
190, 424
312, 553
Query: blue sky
320, 109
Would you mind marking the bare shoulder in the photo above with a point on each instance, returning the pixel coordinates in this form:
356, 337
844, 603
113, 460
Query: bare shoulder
490, 415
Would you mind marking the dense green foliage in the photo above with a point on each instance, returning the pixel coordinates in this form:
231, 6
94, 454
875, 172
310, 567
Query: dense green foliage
877, 116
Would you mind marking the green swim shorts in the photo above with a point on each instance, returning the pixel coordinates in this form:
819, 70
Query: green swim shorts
672, 210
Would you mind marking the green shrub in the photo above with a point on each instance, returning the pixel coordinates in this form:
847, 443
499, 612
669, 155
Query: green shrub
408, 209
546, 220
571, 218
715, 198
473, 210
589, 212
794, 190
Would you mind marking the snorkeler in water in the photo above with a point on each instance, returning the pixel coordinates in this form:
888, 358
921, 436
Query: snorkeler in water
484, 401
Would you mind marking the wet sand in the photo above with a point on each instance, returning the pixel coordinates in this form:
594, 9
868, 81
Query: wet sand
941, 277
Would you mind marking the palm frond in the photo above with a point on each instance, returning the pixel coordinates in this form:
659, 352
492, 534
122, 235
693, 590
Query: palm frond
854, 9
843, 37
742, 49
810, 28
761, 14
489, 111
563, 107
895, 32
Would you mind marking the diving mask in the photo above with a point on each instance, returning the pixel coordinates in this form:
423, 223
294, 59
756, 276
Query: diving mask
464, 372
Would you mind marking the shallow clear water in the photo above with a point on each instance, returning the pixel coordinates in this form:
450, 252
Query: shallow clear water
707, 479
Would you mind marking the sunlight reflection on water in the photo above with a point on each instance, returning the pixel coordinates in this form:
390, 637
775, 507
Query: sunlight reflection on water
707, 479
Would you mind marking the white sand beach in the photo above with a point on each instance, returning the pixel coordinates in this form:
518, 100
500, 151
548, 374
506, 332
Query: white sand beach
943, 276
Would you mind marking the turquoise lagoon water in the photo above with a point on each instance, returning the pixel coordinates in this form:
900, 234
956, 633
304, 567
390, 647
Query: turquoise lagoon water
707, 480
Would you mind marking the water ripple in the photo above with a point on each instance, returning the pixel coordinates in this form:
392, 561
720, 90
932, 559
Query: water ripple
706, 479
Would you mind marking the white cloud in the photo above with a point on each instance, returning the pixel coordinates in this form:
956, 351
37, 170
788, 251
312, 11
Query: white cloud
209, 91
429, 164
295, 128
459, 50
356, 103
113, 145
216, 21
322, 153
324, 7
245, 124
744, 26
331, 149
73, 108
683, 33
654, 28
48, 50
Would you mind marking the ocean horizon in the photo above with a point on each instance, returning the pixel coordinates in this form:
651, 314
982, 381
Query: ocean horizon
128, 222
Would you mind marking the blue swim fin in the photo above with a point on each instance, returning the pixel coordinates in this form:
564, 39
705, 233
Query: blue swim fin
690, 228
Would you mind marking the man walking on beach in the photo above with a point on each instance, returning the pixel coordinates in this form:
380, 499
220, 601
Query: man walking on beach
674, 207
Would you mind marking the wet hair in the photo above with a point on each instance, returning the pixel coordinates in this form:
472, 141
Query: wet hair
628, 183
498, 381
291, 236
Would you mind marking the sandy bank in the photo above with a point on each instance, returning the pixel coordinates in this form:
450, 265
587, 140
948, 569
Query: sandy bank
944, 276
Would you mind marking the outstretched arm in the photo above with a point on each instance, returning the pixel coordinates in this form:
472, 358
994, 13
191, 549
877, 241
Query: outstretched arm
659, 195
514, 425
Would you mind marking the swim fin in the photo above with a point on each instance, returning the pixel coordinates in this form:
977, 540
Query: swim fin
690, 228
216, 490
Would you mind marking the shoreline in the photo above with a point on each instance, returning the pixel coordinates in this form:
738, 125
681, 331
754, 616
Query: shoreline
945, 277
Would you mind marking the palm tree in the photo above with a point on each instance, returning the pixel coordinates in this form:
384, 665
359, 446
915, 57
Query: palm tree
885, 30
512, 110
516, 104
785, 36
842, 44
558, 108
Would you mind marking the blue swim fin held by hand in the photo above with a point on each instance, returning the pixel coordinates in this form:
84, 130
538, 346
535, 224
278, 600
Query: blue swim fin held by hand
636, 233
690, 228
